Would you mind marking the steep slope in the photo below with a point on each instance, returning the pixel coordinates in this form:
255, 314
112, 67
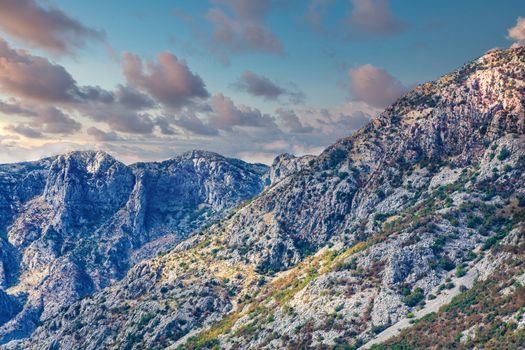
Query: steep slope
18, 184
489, 316
74, 224
347, 244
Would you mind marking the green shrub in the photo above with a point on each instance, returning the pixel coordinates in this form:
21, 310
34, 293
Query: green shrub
380, 217
414, 298
471, 256
460, 271
342, 175
474, 221
503, 154
446, 264
490, 242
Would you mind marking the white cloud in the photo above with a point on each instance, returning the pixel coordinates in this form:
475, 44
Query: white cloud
517, 33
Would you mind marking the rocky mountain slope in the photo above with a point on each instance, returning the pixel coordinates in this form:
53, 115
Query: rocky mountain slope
346, 244
74, 224
489, 316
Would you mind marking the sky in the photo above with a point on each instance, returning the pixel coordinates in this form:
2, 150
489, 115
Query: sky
249, 79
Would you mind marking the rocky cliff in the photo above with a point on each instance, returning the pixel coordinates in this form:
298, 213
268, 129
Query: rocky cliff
74, 224
378, 227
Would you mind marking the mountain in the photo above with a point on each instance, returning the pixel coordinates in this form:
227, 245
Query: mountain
74, 224
343, 250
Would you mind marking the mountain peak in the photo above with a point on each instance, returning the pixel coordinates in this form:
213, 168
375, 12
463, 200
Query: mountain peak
86, 155
197, 153
500, 56
494, 78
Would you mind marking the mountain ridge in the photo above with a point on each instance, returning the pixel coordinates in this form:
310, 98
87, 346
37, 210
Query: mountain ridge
346, 244
75, 223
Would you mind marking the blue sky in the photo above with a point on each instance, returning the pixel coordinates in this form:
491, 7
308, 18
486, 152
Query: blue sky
300, 72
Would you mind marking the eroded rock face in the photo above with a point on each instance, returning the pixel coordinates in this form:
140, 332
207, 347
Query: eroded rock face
19, 183
84, 188
75, 223
285, 165
9, 307
360, 235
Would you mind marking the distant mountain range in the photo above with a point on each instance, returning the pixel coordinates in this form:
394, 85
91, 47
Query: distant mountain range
422, 209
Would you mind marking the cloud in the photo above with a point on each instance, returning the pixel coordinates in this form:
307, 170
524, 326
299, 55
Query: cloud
25, 75
291, 121
165, 126
373, 18
118, 117
123, 110
162, 109
169, 80
39, 120
133, 98
16, 152
345, 121
260, 86
102, 136
15, 109
190, 122
25, 130
264, 142
225, 115
374, 86
52, 120
517, 33
39, 81
47, 28
244, 29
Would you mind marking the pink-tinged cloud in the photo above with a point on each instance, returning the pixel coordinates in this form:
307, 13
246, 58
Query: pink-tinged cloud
225, 115
374, 18
374, 86
168, 80
33, 77
36, 79
45, 27
245, 29
517, 33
